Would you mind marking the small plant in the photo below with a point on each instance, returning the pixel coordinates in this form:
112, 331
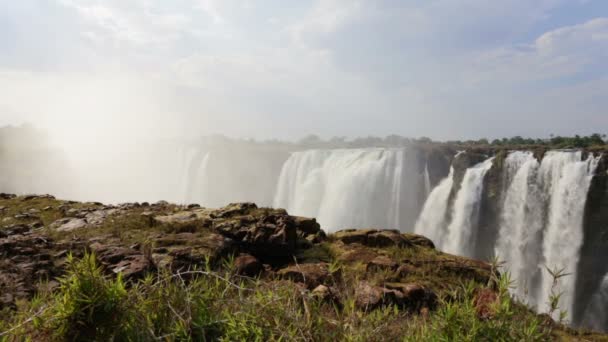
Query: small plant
555, 295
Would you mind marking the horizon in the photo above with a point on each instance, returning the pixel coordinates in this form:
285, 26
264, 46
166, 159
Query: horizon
105, 71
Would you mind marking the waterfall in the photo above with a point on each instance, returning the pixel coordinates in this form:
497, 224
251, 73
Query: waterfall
521, 224
465, 213
432, 221
596, 314
351, 187
427, 181
569, 179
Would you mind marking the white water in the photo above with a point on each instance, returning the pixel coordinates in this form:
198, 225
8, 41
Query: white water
521, 224
427, 181
432, 221
569, 178
465, 213
351, 188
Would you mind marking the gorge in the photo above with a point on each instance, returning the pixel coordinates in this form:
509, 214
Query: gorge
533, 209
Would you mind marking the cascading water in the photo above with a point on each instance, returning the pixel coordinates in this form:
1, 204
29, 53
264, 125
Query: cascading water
541, 223
352, 188
521, 224
432, 221
465, 213
427, 181
570, 177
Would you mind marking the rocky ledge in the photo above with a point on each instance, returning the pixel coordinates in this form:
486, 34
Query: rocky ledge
370, 269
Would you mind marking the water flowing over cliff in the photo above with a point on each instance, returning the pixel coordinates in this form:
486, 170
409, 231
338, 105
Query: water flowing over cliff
541, 222
465, 213
353, 188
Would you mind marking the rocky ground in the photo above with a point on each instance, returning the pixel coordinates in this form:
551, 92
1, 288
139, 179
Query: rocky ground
367, 269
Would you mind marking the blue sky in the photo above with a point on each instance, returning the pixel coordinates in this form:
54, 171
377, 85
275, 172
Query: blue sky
282, 69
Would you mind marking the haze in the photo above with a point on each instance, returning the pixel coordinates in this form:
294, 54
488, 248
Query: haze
98, 70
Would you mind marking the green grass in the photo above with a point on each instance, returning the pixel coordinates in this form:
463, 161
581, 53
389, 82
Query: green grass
205, 305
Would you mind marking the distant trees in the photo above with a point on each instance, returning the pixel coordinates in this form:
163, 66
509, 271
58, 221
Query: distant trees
313, 141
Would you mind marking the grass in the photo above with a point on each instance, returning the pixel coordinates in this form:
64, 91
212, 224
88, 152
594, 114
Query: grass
213, 303
205, 305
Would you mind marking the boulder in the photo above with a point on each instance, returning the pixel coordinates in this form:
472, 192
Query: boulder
373, 237
367, 296
307, 226
68, 224
270, 236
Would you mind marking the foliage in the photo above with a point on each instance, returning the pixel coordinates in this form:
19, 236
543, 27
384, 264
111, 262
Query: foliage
204, 305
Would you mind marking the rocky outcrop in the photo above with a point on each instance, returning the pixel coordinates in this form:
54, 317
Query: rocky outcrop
371, 268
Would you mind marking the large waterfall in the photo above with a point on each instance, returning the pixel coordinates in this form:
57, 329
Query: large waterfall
526, 209
465, 213
432, 220
521, 224
570, 178
352, 188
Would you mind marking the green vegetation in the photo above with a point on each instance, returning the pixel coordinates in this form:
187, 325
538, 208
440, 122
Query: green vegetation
202, 305
577, 141
135, 278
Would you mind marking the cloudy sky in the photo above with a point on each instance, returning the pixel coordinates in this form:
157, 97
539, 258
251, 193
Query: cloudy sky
283, 69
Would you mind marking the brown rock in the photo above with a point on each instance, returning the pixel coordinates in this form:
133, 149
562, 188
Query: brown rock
368, 297
419, 240
312, 275
308, 226
248, 265
382, 263
373, 237
133, 267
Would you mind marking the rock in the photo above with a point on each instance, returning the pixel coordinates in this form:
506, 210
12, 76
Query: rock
5, 196
368, 297
308, 226
272, 235
248, 265
33, 197
16, 229
382, 263
419, 240
68, 224
234, 209
326, 294
414, 296
373, 237
403, 271
312, 275
193, 206
178, 218
133, 267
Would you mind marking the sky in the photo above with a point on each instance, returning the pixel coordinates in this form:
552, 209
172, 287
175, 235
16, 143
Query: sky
94, 71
